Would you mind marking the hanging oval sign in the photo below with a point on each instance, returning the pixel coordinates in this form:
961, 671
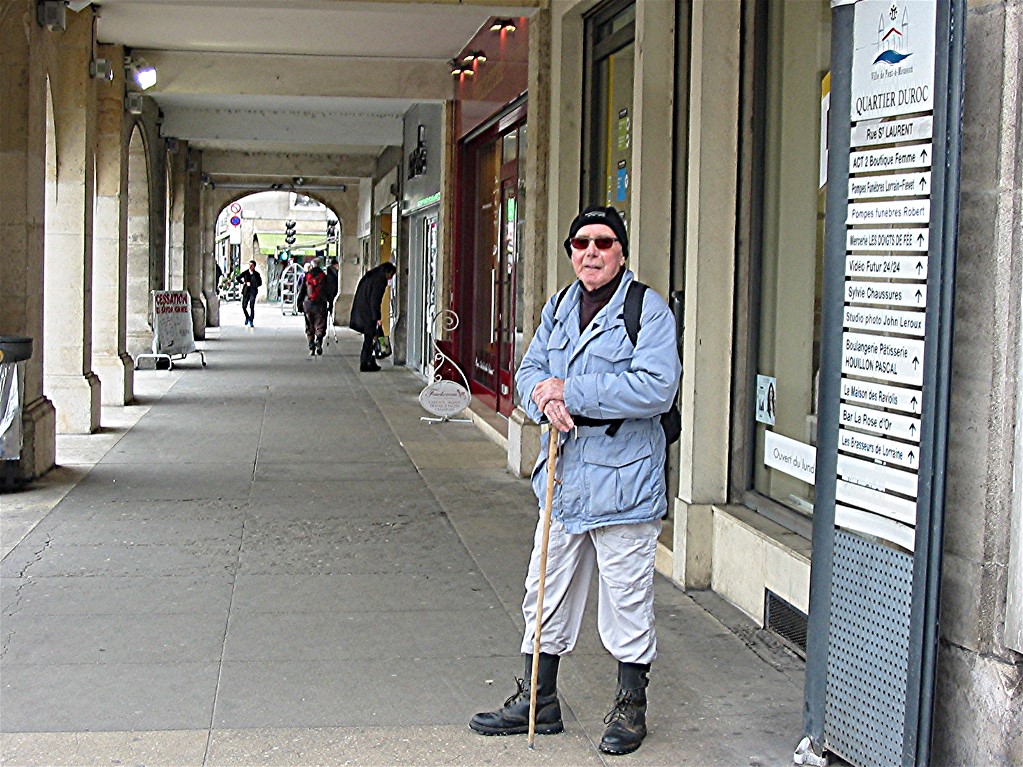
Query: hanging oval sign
444, 398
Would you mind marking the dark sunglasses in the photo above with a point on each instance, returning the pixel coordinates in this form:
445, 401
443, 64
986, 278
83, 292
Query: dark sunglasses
602, 243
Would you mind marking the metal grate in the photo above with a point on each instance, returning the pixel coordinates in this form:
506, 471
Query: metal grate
868, 657
785, 620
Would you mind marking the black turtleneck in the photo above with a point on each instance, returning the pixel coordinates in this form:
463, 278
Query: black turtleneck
592, 301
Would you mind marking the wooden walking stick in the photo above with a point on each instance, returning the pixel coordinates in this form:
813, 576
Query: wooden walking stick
552, 457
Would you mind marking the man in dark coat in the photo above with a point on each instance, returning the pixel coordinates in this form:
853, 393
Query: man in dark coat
366, 312
333, 278
250, 281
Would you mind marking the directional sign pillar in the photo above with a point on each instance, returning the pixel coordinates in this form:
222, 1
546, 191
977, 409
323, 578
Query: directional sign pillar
892, 207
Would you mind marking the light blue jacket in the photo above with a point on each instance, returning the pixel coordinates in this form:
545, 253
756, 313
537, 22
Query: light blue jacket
605, 480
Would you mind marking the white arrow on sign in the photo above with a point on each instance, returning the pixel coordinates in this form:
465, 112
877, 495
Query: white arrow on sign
881, 395
892, 240
901, 267
880, 422
888, 358
879, 448
891, 158
886, 293
899, 185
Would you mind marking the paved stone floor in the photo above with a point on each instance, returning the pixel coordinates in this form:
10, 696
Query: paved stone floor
273, 561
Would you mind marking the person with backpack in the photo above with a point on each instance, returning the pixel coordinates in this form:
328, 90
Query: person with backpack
312, 297
602, 370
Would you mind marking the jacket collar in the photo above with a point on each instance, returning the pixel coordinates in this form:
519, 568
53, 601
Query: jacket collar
612, 314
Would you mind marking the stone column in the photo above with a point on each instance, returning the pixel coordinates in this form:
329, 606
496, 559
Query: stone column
345, 206
709, 286
22, 168
194, 257
110, 359
523, 434
177, 181
653, 145
144, 273
209, 268
67, 322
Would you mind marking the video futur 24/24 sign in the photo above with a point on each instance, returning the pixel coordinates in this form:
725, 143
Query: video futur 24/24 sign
893, 62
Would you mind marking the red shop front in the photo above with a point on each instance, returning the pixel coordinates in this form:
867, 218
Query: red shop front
490, 116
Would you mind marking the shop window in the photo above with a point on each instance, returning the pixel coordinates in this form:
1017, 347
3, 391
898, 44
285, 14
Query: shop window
787, 346
610, 53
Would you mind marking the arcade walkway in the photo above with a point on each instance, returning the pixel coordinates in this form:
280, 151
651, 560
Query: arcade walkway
273, 561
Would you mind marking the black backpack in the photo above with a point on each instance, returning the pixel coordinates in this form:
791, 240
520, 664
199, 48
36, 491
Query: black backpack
671, 420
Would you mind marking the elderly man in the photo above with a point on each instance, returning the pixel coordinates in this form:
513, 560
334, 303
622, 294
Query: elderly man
604, 388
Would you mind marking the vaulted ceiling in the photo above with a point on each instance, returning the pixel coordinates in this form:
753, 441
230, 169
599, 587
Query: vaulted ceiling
295, 76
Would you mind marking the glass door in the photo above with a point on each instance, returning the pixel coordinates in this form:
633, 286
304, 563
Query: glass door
489, 258
485, 294
507, 279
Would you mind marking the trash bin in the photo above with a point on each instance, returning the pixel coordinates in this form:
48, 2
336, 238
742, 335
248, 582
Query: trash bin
14, 350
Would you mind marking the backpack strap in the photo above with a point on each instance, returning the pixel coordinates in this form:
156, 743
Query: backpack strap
634, 308
561, 297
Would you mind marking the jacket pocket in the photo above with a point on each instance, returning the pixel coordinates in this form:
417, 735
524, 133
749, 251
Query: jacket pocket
611, 357
618, 471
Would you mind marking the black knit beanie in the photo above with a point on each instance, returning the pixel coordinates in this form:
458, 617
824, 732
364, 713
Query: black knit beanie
596, 214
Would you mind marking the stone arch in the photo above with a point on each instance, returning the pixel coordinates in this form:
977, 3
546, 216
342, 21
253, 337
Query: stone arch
220, 203
140, 278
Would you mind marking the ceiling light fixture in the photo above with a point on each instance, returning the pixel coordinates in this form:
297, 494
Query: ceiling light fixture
472, 56
458, 69
141, 71
503, 25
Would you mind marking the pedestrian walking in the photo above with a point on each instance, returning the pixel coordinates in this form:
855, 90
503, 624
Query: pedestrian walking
366, 310
251, 281
587, 376
311, 297
333, 280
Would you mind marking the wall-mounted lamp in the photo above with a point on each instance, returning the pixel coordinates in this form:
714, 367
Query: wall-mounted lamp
503, 25
133, 103
141, 71
472, 56
101, 69
52, 14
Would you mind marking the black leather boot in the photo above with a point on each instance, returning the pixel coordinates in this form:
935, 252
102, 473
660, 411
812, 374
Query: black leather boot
513, 717
626, 722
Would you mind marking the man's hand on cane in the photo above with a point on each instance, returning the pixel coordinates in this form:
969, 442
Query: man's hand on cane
549, 396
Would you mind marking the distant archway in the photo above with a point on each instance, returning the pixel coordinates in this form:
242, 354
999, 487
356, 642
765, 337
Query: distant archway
260, 234
140, 261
